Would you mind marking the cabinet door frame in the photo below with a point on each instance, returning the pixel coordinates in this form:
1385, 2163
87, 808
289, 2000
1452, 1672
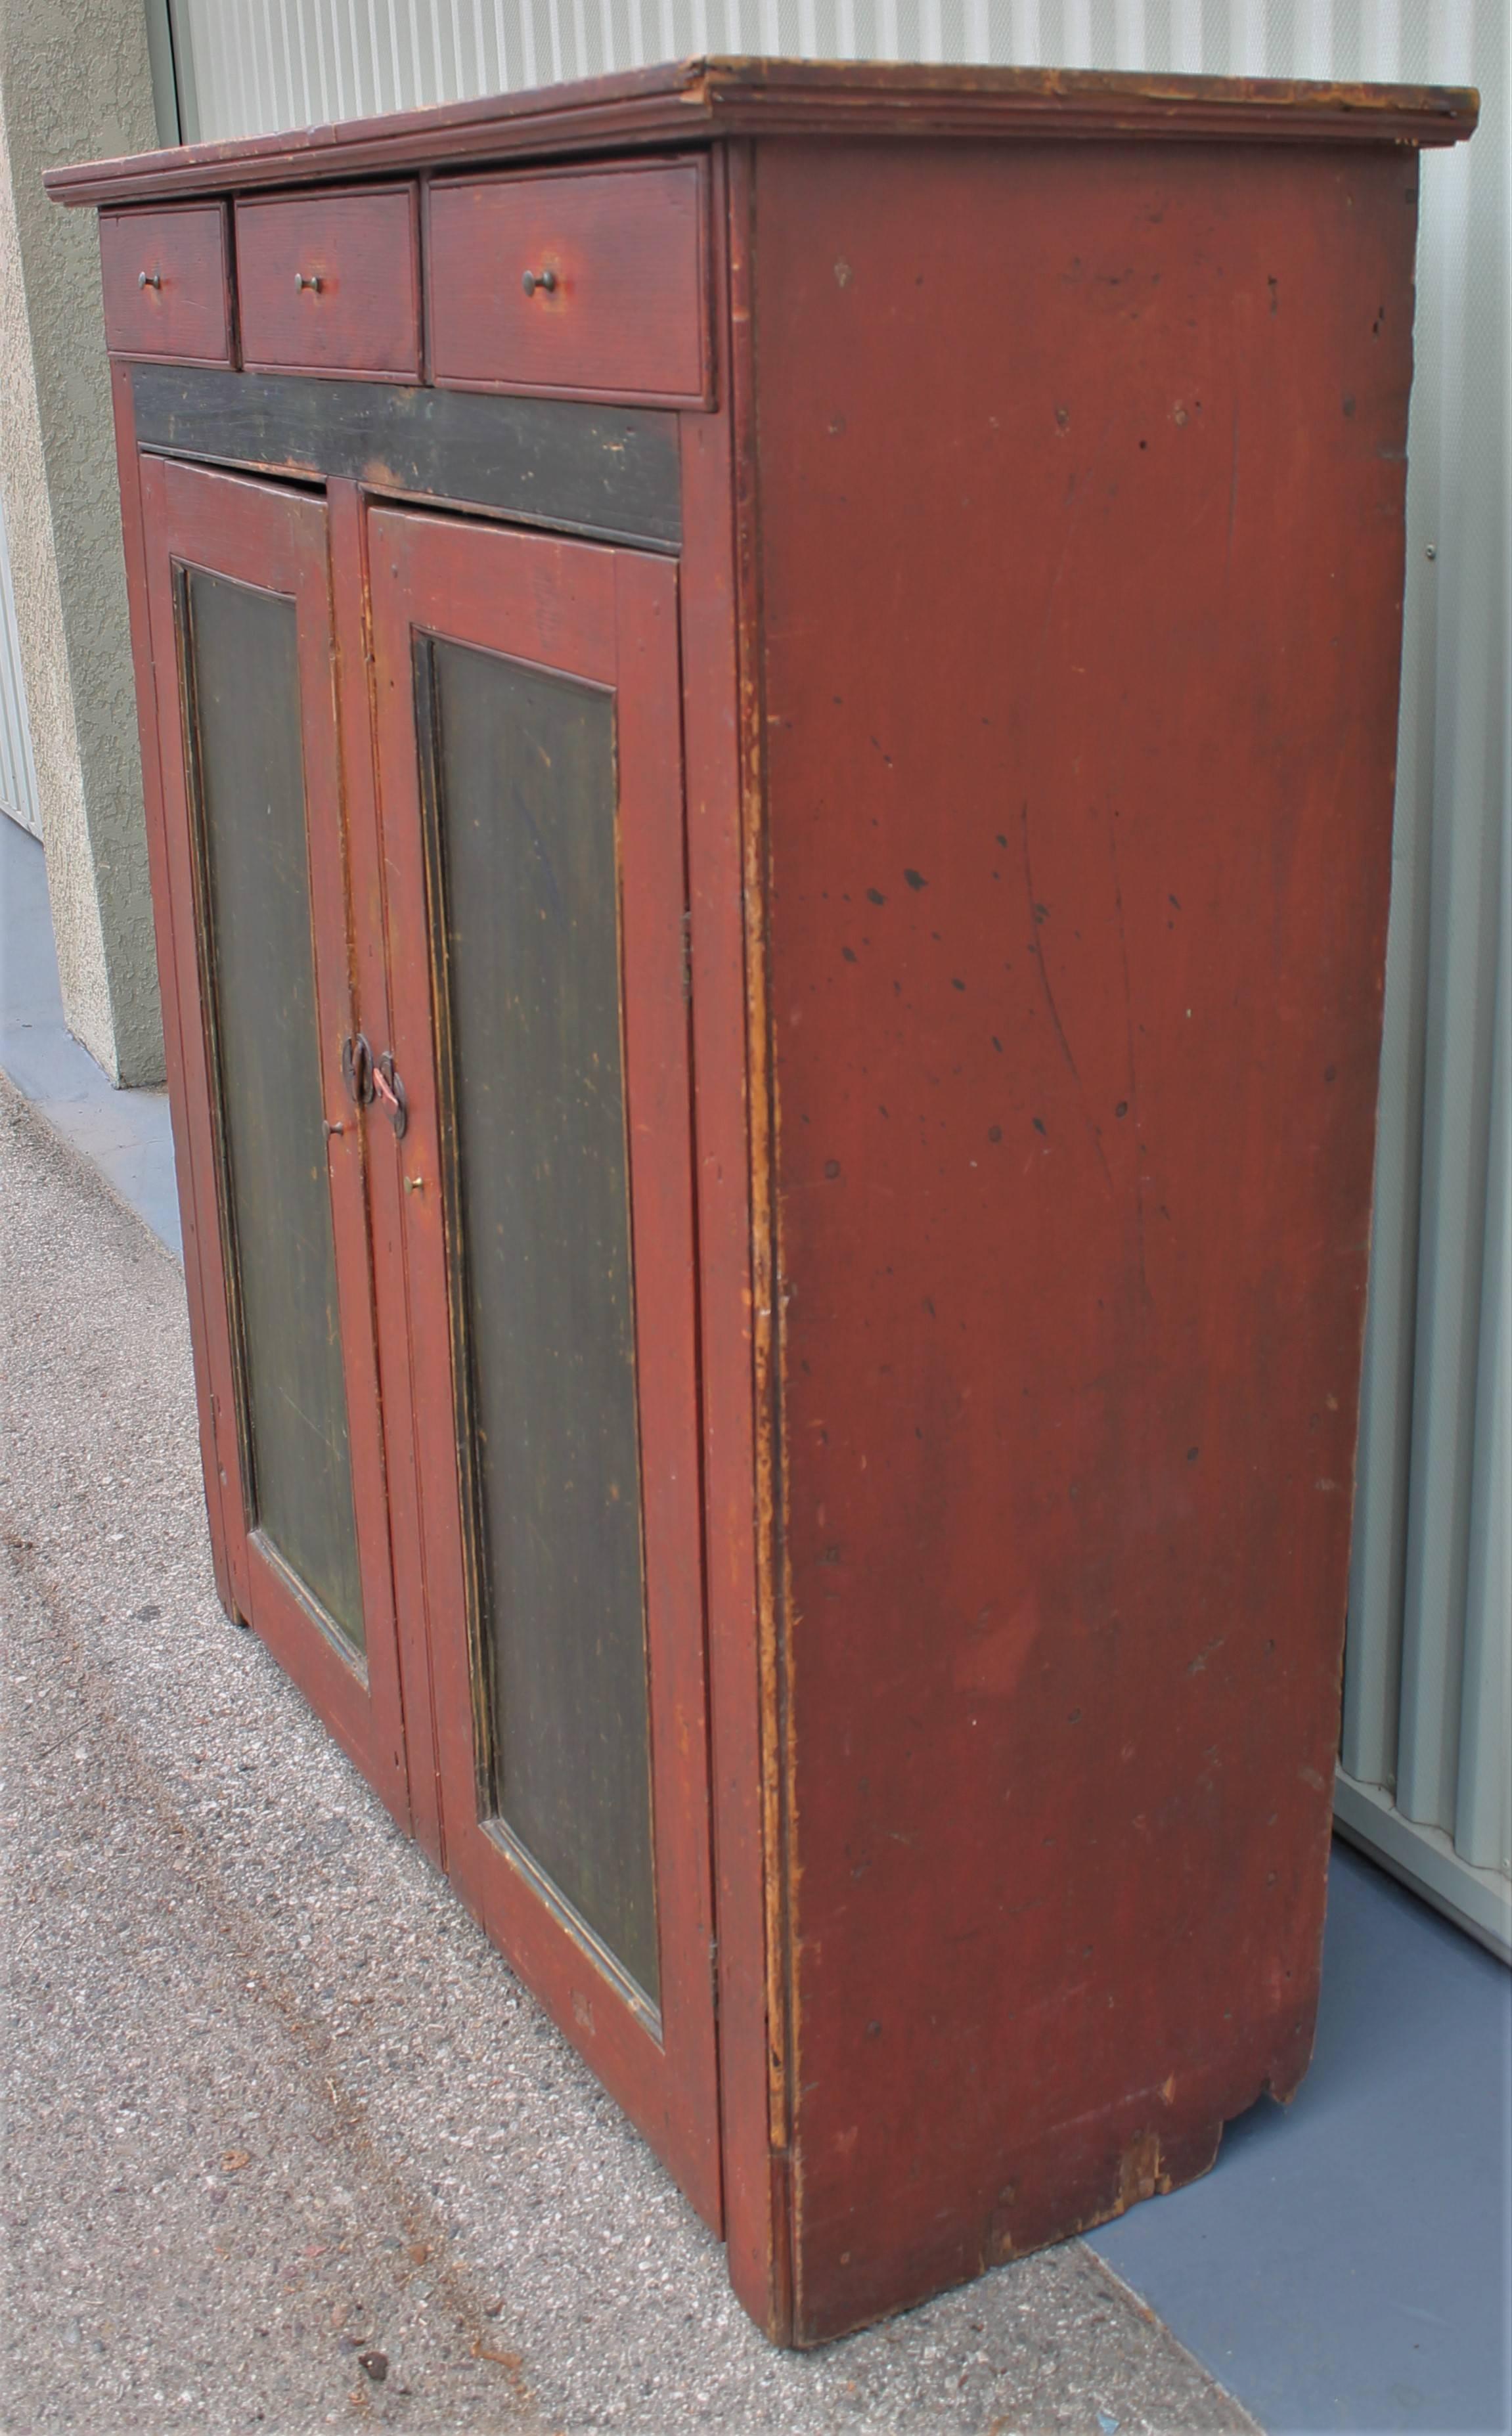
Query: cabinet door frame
608, 618
273, 539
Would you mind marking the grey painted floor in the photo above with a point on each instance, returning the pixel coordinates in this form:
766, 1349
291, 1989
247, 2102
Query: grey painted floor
1345, 2266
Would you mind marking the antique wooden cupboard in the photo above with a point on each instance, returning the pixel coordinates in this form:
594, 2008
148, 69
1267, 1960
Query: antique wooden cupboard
768, 697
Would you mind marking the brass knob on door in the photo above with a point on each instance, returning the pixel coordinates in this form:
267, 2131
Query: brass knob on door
307, 279
543, 278
149, 279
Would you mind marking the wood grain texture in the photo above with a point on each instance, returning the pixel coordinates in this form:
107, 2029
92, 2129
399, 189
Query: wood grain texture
700, 98
721, 749
591, 469
330, 283
167, 281
626, 312
382, 1155
1075, 1020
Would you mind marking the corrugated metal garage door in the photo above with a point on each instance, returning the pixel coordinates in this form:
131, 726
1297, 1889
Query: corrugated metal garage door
1426, 1775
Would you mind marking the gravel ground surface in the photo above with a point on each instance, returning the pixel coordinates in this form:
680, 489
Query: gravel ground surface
287, 2145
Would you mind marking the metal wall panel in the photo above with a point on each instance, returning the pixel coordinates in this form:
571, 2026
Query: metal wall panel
18, 777
253, 65
1427, 1751
1426, 1774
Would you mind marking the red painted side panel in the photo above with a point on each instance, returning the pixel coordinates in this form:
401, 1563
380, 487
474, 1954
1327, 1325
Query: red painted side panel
1081, 479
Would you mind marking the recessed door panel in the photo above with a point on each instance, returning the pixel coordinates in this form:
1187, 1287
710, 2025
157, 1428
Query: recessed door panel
526, 892
528, 733
241, 654
254, 838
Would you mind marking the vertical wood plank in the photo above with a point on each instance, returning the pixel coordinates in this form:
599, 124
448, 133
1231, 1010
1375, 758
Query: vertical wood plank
721, 738
382, 1151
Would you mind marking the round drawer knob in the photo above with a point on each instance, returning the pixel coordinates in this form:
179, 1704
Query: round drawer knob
149, 279
534, 279
307, 279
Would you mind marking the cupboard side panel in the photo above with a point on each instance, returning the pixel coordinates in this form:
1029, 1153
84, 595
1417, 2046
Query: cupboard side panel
1081, 480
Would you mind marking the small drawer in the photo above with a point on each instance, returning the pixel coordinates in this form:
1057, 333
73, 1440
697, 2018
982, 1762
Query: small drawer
167, 291
585, 284
330, 283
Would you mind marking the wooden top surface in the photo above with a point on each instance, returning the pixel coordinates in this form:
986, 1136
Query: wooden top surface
690, 101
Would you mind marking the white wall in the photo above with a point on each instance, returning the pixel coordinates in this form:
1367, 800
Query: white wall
1428, 1718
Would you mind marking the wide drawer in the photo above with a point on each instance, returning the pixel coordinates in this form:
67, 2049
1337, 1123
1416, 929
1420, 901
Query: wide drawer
166, 292
330, 283
589, 283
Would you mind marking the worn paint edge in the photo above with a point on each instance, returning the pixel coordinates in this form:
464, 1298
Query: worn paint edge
763, 1135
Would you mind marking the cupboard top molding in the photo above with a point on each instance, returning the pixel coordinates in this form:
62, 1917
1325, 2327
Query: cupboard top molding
699, 99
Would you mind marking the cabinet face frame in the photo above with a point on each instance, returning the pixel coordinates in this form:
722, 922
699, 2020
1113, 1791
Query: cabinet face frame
272, 541
609, 619
697, 447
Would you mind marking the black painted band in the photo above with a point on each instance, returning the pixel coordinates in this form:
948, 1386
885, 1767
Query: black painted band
606, 470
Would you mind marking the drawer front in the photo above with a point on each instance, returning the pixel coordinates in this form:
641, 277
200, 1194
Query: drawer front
331, 283
167, 291
616, 305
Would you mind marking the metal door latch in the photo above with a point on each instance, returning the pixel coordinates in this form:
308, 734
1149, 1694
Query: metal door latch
390, 1092
356, 1070
369, 1078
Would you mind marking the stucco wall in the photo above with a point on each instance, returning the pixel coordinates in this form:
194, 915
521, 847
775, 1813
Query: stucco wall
74, 82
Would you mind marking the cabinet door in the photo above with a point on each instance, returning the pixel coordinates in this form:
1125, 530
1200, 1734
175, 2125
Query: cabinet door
239, 604
530, 783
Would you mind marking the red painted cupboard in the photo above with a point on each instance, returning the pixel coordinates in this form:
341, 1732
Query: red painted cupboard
769, 701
